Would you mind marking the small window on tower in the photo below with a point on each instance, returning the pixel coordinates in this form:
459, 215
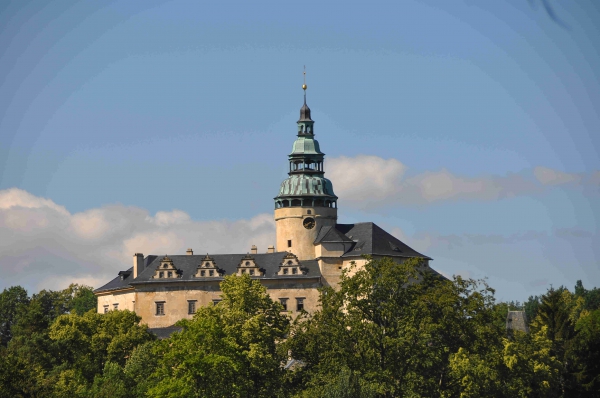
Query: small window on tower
290, 243
308, 212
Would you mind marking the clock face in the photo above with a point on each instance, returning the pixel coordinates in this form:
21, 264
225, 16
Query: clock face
309, 223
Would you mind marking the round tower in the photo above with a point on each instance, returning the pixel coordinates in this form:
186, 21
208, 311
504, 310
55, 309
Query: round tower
306, 201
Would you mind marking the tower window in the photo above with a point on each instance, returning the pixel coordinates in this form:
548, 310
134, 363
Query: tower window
289, 243
160, 308
308, 211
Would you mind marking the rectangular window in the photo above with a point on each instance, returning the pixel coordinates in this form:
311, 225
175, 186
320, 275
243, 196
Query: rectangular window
211, 273
285, 271
299, 303
105, 309
251, 272
115, 306
191, 306
283, 302
290, 243
160, 308
202, 273
170, 274
161, 274
216, 301
294, 270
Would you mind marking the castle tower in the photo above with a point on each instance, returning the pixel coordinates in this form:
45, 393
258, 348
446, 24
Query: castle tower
306, 201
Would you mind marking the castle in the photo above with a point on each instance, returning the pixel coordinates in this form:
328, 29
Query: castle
311, 251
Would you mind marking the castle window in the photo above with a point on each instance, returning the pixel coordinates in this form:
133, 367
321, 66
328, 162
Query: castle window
283, 302
294, 270
285, 271
211, 273
216, 301
105, 309
170, 274
247, 263
299, 303
161, 274
191, 307
160, 308
202, 273
289, 243
290, 262
115, 306
165, 265
251, 272
308, 212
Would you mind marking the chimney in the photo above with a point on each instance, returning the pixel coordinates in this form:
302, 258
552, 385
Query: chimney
253, 249
138, 264
189, 252
271, 249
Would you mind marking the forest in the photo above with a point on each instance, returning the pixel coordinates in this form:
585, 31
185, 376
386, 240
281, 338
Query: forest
389, 330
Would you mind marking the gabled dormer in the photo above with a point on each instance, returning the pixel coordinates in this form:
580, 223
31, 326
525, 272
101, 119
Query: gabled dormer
166, 269
208, 268
249, 266
290, 266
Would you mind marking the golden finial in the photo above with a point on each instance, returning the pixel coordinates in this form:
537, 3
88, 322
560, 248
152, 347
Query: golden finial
304, 86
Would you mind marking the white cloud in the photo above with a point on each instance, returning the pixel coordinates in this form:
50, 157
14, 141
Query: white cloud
548, 176
42, 245
370, 181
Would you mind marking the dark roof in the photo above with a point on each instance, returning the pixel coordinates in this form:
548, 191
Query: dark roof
330, 234
371, 239
188, 265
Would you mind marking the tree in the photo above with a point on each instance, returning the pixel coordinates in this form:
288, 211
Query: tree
230, 349
395, 326
11, 302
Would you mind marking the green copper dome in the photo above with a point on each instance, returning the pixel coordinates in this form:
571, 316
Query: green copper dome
306, 145
302, 184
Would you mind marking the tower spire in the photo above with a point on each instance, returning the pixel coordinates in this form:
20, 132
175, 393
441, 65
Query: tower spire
304, 86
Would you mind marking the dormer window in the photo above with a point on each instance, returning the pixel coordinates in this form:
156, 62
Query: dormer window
290, 265
166, 269
207, 268
249, 266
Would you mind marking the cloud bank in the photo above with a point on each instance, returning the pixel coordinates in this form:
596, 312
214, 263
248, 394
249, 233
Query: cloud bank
42, 245
370, 181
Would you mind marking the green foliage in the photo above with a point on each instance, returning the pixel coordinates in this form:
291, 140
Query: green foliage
11, 302
398, 333
226, 350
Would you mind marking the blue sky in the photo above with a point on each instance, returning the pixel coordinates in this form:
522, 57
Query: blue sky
481, 121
